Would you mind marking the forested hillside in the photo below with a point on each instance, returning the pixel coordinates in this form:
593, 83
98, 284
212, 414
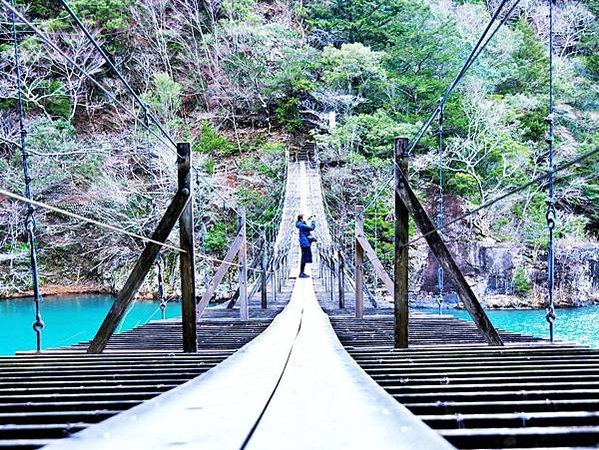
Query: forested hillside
242, 80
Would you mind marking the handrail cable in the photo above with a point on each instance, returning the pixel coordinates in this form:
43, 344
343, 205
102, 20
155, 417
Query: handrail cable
87, 220
109, 227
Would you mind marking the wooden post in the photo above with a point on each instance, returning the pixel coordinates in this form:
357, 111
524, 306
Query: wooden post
332, 275
439, 249
359, 277
139, 272
243, 276
275, 278
341, 278
320, 263
400, 288
187, 259
263, 279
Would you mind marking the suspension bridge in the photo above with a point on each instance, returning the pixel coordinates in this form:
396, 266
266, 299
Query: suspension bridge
312, 363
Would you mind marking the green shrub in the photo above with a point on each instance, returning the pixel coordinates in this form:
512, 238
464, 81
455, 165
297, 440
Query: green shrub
215, 238
51, 135
210, 141
533, 124
209, 164
7, 104
165, 97
272, 149
111, 15
521, 281
287, 114
57, 104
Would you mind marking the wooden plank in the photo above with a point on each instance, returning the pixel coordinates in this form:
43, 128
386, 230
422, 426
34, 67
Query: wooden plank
220, 273
187, 259
243, 270
400, 267
376, 263
139, 272
359, 274
439, 249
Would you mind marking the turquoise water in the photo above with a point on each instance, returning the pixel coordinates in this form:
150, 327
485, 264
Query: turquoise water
77, 318
68, 320
573, 324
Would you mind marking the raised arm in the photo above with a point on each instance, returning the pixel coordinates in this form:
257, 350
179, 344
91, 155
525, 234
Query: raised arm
305, 227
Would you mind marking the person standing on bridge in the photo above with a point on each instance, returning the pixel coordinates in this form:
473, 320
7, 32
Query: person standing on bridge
305, 241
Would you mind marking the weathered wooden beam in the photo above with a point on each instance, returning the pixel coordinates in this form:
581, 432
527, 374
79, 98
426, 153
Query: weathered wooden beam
220, 274
376, 263
359, 274
187, 259
400, 266
253, 266
263, 278
243, 270
332, 273
341, 278
139, 272
439, 249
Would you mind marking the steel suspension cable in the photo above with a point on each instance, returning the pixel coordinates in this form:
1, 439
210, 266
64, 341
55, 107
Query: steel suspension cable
120, 76
139, 101
480, 46
551, 214
30, 224
476, 50
441, 204
154, 220
545, 176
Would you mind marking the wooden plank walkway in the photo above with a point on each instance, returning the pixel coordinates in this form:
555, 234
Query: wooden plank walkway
294, 387
529, 394
50, 396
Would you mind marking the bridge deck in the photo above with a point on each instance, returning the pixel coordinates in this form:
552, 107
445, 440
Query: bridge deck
49, 396
528, 394
296, 385
292, 387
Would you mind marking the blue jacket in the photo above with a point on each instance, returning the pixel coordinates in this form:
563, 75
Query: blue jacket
304, 232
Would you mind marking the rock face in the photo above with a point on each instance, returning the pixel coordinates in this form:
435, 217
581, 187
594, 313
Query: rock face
491, 270
577, 274
505, 275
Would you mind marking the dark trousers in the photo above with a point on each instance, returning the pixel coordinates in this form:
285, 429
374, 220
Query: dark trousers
306, 258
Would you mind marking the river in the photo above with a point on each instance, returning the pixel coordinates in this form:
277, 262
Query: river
73, 319
68, 320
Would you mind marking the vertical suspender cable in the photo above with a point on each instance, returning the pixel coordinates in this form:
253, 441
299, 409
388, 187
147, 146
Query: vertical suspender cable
154, 219
38, 324
440, 202
551, 214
